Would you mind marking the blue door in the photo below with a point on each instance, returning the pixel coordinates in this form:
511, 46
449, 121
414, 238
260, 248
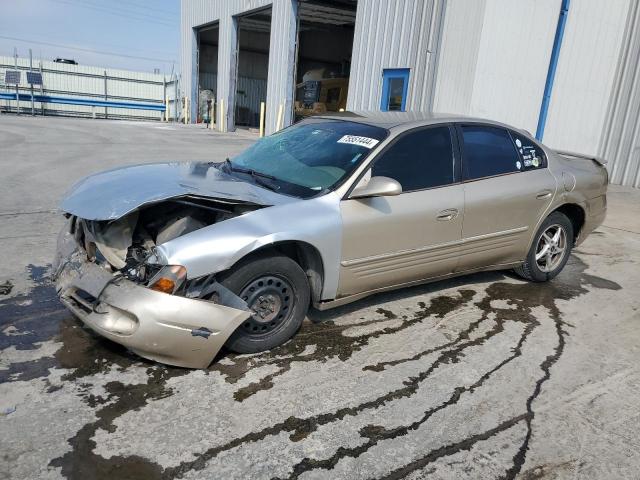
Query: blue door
395, 83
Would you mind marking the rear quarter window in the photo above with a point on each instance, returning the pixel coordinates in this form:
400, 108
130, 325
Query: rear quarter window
532, 155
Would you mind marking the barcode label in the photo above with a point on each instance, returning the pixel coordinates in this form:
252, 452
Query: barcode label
365, 142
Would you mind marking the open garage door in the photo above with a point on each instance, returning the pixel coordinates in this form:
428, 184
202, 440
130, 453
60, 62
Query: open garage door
207, 71
325, 43
254, 32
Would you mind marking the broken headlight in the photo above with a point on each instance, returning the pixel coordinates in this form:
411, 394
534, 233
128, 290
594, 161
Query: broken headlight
169, 279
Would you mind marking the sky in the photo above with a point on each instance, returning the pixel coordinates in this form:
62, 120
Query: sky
139, 35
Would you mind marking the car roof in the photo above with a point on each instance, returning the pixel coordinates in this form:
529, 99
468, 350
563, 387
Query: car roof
406, 120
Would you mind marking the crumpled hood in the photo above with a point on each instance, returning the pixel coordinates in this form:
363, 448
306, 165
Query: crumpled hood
112, 194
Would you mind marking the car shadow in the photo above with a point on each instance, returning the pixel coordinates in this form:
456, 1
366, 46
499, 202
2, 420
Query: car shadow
380, 299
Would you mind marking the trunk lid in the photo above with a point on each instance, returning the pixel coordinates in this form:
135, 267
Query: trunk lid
600, 161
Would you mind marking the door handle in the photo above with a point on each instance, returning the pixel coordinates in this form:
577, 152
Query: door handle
446, 215
544, 194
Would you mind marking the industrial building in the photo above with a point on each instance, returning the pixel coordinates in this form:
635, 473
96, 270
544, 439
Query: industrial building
565, 70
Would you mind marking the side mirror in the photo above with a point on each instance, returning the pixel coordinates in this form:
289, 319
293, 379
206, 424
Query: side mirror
378, 187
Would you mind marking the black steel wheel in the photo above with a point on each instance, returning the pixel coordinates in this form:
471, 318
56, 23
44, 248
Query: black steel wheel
270, 298
277, 291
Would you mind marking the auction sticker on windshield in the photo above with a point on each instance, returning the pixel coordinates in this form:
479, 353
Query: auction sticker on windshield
365, 142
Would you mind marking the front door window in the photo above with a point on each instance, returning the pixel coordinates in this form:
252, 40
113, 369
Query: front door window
419, 159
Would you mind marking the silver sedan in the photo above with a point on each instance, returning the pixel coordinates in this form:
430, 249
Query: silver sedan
177, 260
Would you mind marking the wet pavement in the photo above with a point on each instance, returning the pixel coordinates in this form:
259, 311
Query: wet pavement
484, 376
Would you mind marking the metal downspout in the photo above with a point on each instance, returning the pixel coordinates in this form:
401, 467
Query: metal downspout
553, 65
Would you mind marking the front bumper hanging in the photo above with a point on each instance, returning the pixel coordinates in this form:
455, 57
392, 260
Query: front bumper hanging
166, 328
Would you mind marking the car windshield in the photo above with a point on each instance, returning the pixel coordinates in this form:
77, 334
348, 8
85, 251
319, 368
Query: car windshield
308, 158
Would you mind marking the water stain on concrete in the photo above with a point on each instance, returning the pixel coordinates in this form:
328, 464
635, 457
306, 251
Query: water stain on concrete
526, 296
387, 313
549, 471
329, 342
6, 287
37, 317
84, 355
34, 316
81, 462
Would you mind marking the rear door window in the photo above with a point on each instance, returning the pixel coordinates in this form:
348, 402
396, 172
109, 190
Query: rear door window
488, 151
419, 159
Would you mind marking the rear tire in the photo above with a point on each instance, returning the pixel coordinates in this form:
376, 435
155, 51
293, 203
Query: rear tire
277, 290
550, 249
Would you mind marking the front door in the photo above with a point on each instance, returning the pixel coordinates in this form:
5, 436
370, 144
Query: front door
507, 188
394, 240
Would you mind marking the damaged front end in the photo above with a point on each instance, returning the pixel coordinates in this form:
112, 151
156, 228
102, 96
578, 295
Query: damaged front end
107, 274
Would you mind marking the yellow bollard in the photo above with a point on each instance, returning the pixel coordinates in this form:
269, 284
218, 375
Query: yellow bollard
222, 119
279, 118
262, 108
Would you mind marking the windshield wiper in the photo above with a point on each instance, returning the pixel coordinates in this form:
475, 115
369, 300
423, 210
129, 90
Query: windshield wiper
256, 176
226, 165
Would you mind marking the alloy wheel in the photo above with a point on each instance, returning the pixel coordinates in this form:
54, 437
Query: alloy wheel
551, 248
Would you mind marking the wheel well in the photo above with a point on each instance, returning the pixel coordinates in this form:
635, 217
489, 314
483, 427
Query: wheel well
305, 255
576, 214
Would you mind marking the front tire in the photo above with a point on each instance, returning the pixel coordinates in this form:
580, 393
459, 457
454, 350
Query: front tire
277, 290
550, 249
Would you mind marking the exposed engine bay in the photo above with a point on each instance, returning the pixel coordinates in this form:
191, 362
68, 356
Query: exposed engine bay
124, 245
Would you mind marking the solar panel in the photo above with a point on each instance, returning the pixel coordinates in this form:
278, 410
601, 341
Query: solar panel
34, 78
12, 77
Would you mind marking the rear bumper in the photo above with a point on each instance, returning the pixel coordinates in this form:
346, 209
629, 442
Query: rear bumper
165, 328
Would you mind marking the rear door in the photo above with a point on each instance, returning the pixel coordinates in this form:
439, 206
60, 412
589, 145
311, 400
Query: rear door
507, 189
412, 236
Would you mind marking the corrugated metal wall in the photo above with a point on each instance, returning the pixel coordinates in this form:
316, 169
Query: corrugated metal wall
513, 58
251, 91
79, 81
282, 53
485, 58
208, 81
394, 34
586, 75
620, 142
460, 40
494, 59
197, 13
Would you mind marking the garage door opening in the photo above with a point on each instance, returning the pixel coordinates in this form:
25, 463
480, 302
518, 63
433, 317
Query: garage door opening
325, 43
254, 32
208, 38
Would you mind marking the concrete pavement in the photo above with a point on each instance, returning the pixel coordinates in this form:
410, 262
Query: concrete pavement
484, 376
